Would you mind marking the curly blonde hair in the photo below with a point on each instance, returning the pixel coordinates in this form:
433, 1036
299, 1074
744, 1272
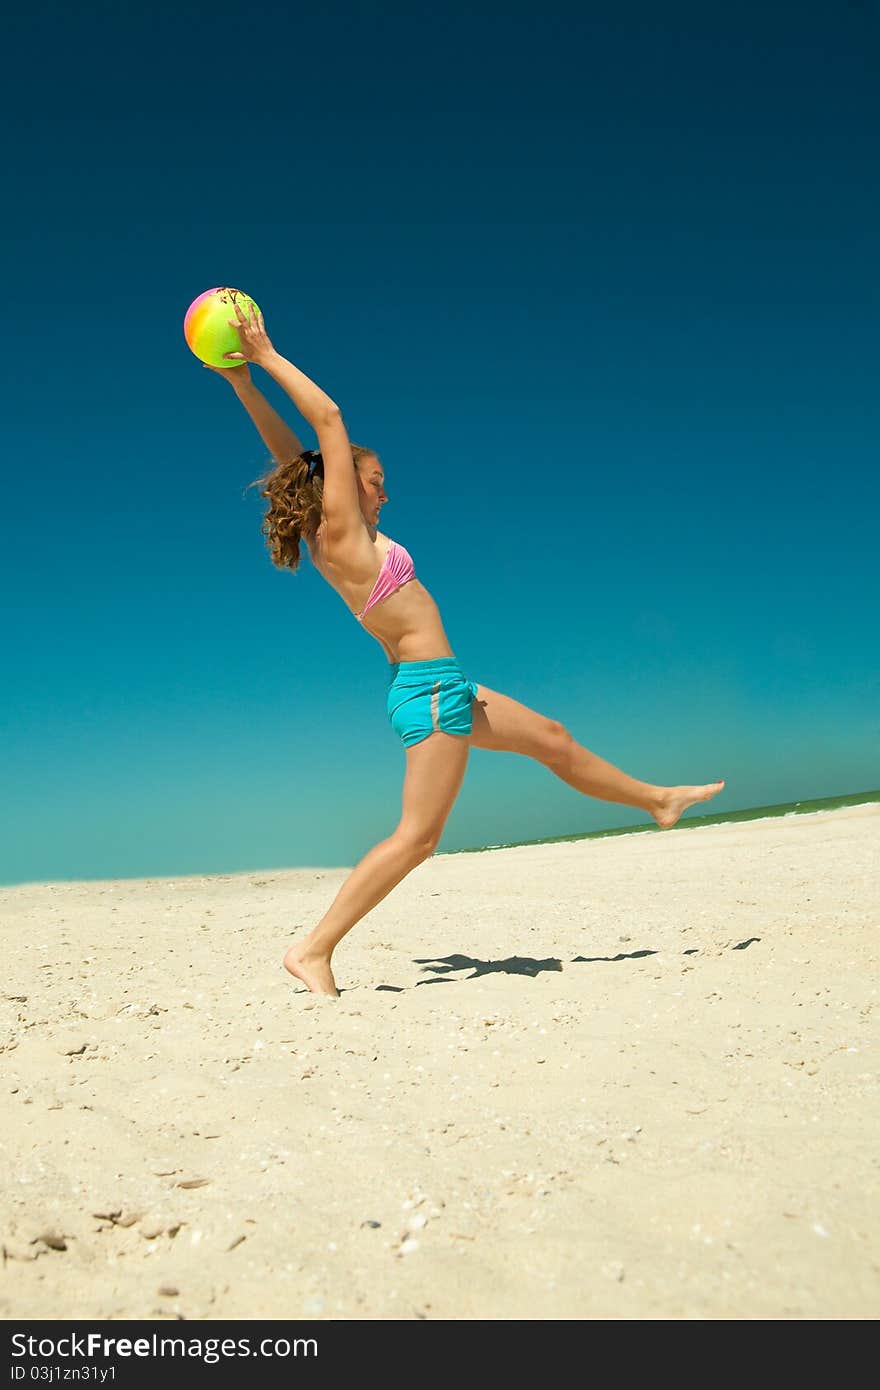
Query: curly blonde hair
295, 504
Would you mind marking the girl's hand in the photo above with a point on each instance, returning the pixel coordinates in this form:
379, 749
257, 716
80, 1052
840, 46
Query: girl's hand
255, 343
236, 376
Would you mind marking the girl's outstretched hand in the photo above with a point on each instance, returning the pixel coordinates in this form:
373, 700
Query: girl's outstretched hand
236, 376
255, 343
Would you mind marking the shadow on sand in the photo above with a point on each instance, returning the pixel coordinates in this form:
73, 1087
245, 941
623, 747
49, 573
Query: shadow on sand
439, 969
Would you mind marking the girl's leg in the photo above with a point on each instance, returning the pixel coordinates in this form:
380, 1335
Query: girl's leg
504, 725
435, 770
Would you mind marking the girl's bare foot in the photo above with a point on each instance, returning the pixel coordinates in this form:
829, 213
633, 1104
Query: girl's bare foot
313, 969
674, 800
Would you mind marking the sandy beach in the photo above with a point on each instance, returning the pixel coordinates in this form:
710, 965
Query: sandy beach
633, 1077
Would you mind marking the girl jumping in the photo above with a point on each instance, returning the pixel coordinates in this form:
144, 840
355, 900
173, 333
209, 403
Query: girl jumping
331, 498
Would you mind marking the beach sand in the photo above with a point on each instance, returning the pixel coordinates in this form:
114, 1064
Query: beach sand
632, 1077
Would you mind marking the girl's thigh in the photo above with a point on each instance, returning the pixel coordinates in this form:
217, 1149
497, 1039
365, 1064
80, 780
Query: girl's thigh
435, 769
505, 725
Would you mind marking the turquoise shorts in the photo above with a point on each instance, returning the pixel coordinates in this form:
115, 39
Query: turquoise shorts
427, 696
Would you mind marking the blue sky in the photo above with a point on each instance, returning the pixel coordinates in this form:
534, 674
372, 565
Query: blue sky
598, 283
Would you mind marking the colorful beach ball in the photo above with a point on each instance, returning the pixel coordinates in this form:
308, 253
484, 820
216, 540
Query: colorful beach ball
206, 324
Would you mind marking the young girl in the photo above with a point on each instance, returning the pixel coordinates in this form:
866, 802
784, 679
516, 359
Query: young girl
331, 498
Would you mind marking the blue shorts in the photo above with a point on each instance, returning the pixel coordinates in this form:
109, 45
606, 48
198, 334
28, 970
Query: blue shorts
427, 696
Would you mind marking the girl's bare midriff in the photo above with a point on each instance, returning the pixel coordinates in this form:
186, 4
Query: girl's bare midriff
407, 623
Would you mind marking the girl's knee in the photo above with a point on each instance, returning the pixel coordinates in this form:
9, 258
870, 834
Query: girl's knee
558, 743
415, 843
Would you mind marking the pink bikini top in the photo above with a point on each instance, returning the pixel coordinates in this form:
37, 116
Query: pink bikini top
397, 569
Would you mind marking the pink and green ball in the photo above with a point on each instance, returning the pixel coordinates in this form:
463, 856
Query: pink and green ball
206, 325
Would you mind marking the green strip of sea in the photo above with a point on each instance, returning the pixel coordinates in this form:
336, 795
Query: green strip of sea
786, 808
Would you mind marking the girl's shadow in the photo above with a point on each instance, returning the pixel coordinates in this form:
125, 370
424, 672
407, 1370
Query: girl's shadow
439, 968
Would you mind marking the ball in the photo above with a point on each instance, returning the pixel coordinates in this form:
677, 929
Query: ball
206, 324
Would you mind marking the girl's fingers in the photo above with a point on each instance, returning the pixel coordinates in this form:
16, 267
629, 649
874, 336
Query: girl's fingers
236, 356
239, 315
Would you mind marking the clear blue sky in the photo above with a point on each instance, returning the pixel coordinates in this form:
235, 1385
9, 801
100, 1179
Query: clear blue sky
598, 283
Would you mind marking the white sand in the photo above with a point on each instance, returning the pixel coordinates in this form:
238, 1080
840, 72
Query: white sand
539, 1130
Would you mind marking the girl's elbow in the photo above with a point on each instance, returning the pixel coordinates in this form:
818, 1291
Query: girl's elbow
330, 424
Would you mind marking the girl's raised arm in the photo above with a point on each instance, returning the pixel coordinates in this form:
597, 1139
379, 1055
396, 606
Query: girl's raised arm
311, 402
341, 505
275, 433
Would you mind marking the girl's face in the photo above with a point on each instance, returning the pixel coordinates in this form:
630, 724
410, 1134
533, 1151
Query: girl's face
371, 486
